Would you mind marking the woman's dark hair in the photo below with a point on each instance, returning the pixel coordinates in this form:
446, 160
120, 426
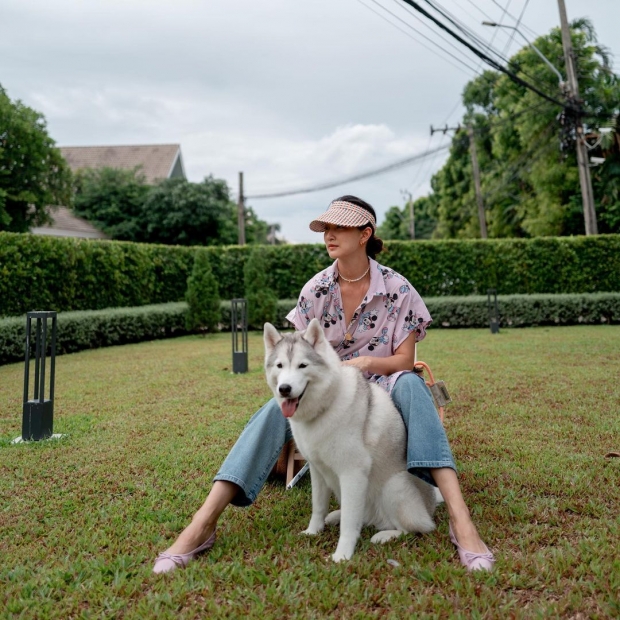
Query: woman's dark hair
374, 245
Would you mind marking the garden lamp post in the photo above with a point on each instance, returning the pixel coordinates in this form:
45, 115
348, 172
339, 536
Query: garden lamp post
239, 329
493, 310
38, 413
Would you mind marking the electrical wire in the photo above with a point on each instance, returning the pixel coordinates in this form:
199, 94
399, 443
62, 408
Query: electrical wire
356, 177
490, 61
533, 32
457, 58
470, 34
516, 26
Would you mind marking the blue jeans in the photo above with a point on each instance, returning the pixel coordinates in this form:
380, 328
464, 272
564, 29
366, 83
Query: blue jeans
252, 458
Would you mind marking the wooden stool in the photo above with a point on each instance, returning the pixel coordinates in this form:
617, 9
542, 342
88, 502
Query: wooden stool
289, 462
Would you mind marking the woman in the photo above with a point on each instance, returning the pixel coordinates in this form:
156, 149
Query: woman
373, 317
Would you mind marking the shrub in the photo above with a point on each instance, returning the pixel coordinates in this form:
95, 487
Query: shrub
74, 274
262, 301
102, 328
81, 330
526, 310
202, 297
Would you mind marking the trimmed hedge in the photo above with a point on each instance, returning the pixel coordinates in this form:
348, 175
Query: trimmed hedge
526, 310
63, 274
101, 328
77, 331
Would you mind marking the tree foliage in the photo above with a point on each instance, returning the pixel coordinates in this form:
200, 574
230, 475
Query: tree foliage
397, 223
33, 173
112, 200
526, 149
175, 211
178, 212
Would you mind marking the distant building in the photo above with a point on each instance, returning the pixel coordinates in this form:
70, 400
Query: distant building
156, 162
67, 224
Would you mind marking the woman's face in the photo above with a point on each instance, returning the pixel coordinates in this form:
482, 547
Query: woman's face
343, 241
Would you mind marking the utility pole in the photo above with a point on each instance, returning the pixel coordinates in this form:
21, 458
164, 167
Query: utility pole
409, 205
241, 212
587, 195
476, 172
477, 185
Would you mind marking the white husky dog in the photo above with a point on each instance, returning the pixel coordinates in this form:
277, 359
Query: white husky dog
352, 436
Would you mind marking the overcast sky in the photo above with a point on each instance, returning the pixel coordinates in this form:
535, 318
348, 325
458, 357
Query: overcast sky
293, 93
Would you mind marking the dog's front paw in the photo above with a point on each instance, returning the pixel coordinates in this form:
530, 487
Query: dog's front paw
340, 557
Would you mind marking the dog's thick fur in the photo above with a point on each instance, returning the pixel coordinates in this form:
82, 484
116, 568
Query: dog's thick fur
353, 438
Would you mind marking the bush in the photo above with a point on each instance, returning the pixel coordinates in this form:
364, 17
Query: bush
74, 274
82, 330
103, 328
526, 310
77, 331
202, 297
262, 301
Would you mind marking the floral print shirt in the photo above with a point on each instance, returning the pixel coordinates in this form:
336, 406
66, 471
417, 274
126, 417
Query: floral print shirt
390, 311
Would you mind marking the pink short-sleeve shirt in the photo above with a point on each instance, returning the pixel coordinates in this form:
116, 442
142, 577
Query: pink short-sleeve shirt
388, 314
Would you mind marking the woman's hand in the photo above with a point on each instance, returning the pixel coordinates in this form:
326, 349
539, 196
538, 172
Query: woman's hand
362, 362
402, 359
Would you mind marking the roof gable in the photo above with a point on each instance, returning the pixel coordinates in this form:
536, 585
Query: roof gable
157, 161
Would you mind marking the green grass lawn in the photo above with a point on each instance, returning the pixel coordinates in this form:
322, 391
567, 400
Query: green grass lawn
82, 518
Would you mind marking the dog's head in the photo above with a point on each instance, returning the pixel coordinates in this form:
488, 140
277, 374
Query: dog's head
298, 366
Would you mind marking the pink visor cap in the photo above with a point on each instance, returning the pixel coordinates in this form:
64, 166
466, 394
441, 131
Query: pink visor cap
343, 213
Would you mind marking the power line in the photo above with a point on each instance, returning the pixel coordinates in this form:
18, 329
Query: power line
460, 60
356, 177
515, 78
460, 25
533, 32
516, 26
475, 38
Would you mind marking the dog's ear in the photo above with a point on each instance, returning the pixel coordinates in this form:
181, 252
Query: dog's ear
314, 333
270, 336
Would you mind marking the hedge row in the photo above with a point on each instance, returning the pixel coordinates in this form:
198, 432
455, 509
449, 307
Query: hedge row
101, 328
77, 331
64, 274
526, 310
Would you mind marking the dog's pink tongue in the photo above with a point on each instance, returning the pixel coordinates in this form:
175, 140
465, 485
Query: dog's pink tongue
289, 406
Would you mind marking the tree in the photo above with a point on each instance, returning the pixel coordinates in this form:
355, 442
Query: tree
262, 301
33, 173
396, 224
530, 180
178, 212
112, 199
202, 296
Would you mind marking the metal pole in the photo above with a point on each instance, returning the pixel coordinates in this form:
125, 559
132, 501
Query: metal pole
411, 219
587, 195
27, 356
43, 354
53, 359
477, 185
37, 358
241, 212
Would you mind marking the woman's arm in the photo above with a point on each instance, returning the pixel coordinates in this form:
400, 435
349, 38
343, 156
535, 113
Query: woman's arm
403, 359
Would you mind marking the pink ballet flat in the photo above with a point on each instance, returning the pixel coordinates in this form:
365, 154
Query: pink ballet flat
167, 562
469, 559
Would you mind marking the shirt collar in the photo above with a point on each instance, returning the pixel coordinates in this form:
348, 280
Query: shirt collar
377, 283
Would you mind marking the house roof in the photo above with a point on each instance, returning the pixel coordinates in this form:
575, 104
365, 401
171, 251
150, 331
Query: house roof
157, 161
66, 224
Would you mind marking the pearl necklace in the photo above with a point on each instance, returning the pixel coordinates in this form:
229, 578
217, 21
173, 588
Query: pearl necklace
356, 279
